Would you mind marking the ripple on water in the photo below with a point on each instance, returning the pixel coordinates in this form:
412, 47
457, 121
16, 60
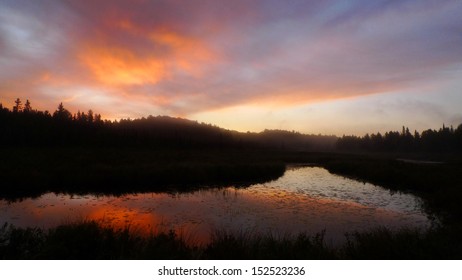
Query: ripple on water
307, 199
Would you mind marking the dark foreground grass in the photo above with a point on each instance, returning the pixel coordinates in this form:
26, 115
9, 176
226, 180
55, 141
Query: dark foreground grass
90, 240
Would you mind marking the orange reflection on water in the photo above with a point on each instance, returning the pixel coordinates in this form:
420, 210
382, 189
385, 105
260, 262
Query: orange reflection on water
289, 205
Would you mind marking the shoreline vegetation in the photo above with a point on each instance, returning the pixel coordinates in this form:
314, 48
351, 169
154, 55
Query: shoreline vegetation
91, 240
81, 153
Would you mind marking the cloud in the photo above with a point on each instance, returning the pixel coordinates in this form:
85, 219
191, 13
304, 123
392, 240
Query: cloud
113, 67
187, 57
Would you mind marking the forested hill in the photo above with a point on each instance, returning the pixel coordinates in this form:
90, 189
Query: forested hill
25, 126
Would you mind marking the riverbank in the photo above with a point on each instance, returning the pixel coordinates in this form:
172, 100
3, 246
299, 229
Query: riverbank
439, 185
90, 240
30, 172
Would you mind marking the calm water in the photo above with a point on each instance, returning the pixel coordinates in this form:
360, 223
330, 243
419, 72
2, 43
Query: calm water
305, 199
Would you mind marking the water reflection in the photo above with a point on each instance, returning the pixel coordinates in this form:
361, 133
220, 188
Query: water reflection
307, 199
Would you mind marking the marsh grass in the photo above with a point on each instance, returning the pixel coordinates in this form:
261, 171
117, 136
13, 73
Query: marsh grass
384, 244
247, 245
91, 240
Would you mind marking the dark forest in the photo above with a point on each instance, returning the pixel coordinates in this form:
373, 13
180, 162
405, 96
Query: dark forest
25, 126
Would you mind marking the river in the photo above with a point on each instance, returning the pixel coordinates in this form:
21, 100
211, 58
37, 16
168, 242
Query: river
305, 199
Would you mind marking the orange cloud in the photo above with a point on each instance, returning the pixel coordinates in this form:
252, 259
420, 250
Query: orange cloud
117, 66
146, 56
188, 52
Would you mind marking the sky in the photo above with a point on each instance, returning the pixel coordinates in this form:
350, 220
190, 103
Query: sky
327, 67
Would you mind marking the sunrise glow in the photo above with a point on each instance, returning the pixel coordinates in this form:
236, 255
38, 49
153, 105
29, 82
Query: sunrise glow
329, 67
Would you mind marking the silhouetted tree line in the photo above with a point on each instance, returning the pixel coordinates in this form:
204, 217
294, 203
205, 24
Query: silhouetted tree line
26, 126
445, 139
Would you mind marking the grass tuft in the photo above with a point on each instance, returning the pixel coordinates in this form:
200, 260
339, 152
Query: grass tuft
91, 240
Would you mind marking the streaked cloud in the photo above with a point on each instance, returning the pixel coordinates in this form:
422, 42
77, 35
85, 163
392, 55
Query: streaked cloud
197, 58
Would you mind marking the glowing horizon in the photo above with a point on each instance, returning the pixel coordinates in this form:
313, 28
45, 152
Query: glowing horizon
329, 67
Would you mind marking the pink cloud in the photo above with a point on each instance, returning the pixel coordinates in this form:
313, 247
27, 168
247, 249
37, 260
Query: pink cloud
187, 57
